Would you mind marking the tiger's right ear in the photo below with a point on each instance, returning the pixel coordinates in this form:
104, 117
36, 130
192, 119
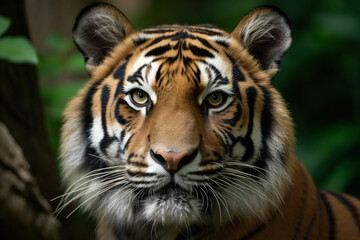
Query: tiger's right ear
98, 28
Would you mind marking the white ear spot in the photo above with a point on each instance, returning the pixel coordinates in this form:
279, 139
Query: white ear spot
266, 34
98, 28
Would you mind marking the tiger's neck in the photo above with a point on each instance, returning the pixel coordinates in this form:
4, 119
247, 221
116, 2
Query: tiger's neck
294, 219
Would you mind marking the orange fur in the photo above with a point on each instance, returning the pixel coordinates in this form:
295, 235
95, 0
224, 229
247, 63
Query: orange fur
265, 195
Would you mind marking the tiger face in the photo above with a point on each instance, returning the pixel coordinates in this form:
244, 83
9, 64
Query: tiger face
179, 125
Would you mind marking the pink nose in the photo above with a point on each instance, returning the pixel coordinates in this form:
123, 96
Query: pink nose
172, 159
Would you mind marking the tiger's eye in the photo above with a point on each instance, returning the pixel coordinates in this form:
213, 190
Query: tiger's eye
215, 99
140, 97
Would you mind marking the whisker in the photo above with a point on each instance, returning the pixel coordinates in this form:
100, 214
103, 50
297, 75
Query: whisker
76, 188
100, 185
92, 197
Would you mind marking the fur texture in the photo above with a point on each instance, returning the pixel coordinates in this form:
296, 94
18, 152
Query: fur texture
179, 134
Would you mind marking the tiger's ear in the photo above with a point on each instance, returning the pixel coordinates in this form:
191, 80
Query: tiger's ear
265, 32
98, 28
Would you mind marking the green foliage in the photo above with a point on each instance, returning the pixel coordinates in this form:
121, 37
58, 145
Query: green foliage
15, 49
60, 61
55, 97
4, 24
61, 57
331, 155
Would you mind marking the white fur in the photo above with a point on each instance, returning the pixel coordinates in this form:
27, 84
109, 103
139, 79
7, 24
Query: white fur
259, 29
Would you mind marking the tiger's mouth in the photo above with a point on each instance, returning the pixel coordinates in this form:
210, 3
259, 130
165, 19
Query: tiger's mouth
173, 196
172, 190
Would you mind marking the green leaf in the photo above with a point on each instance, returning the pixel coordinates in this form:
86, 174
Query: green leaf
76, 63
59, 43
17, 50
4, 24
342, 175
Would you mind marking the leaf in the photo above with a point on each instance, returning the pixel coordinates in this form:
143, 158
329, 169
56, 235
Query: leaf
4, 24
17, 50
342, 175
59, 43
76, 63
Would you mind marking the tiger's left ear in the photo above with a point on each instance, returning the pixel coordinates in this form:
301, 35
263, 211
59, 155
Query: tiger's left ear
265, 32
98, 28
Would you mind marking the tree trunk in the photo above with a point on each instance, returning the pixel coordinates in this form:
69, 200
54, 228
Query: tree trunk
21, 111
21, 108
24, 213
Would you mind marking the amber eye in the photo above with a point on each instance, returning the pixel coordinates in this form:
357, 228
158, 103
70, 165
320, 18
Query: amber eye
215, 99
139, 97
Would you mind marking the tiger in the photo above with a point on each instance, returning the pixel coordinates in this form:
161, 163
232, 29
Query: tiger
180, 134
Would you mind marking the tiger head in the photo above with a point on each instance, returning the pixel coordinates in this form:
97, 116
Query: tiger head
178, 125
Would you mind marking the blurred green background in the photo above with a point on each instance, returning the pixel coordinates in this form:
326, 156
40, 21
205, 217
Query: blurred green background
319, 76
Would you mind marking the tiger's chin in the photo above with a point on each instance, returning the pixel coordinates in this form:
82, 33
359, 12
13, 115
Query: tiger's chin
172, 206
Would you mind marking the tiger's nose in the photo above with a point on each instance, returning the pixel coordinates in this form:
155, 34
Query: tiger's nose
173, 161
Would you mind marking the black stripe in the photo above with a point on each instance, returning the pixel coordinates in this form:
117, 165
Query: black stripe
120, 74
141, 182
206, 44
254, 232
174, 37
207, 172
105, 95
330, 214
135, 163
251, 93
205, 31
159, 31
139, 174
92, 160
238, 76
106, 141
118, 115
91, 155
127, 143
236, 117
211, 162
196, 78
266, 128
158, 51
267, 118
349, 205
138, 164
258, 229
200, 52
140, 40
310, 227
222, 43
136, 77
220, 139
158, 77
219, 80
87, 113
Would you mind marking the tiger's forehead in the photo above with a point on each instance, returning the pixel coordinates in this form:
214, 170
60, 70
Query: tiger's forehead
170, 55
